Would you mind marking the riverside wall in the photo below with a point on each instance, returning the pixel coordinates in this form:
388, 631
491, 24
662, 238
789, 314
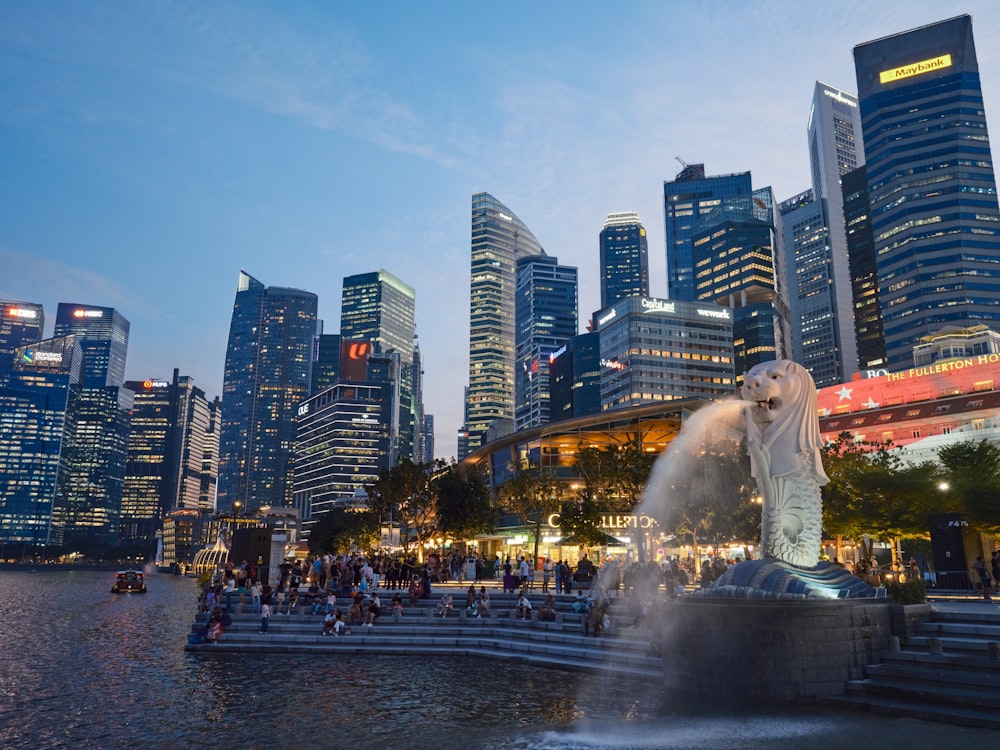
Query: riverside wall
771, 650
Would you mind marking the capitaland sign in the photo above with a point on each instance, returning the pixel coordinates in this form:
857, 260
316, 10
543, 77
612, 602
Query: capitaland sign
657, 305
915, 69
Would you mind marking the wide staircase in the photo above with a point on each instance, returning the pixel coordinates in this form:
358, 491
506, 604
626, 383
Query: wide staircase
948, 671
625, 648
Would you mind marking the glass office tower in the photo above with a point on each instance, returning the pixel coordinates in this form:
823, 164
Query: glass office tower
380, 308
545, 316
499, 240
624, 258
686, 201
103, 335
931, 183
20, 323
34, 398
268, 374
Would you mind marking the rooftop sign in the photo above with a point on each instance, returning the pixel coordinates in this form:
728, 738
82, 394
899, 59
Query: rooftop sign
915, 69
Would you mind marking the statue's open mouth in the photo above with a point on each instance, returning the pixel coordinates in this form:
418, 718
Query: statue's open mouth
770, 405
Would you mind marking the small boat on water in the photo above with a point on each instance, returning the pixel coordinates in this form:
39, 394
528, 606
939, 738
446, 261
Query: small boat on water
129, 582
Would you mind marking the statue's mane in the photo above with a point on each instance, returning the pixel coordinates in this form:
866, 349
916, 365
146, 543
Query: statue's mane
795, 429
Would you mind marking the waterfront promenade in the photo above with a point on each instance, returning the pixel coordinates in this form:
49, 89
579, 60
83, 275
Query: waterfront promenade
627, 648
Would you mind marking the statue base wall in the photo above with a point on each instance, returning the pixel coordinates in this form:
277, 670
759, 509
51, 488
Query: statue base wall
770, 650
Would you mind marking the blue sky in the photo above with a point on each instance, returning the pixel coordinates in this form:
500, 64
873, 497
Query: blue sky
149, 150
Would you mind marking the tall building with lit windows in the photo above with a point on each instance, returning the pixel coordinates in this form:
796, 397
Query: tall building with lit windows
624, 258
34, 409
380, 308
931, 183
499, 240
268, 373
545, 317
172, 459
20, 323
819, 282
103, 336
660, 350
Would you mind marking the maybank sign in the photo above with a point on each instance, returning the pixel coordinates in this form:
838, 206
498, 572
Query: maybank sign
915, 69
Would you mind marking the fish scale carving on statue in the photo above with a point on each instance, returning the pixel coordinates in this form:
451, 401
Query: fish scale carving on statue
782, 427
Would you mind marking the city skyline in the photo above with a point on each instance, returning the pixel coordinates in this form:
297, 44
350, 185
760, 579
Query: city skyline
152, 152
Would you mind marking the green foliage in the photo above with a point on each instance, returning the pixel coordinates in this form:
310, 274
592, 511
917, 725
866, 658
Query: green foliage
872, 490
464, 505
581, 520
533, 494
910, 592
971, 473
340, 528
405, 493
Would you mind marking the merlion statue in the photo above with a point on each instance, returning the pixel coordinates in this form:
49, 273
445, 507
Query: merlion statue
784, 444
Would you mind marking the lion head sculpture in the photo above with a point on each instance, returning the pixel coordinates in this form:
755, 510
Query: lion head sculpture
785, 420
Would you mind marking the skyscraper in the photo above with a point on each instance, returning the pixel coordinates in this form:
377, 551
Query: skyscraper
380, 308
103, 336
545, 317
267, 376
20, 323
864, 270
686, 200
34, 399
819, 277
729, 236
624, 258
172, 459
932, 188
499, 240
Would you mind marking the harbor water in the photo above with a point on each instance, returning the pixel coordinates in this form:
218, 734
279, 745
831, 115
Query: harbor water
81, 667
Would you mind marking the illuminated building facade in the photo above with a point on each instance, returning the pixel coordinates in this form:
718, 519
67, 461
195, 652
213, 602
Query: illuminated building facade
172, 459
818, 282
934, 212
20, 323
103, 336
34, 400
920, 409
380, 308
661, 350
624, 258
342, 444
545, 318
499, 240
268, 373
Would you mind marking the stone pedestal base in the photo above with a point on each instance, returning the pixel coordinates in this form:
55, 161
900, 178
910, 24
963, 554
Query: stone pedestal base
770, 650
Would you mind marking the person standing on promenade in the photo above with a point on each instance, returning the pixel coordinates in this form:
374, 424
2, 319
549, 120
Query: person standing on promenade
265, 615
995, 564
984, 577
546, 574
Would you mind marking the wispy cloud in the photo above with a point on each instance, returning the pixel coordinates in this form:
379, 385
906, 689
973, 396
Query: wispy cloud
30, 278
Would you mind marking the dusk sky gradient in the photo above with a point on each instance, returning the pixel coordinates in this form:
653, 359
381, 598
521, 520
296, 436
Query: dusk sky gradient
150, 150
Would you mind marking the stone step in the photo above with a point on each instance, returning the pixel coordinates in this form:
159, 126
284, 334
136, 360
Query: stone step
886, 706
940, 688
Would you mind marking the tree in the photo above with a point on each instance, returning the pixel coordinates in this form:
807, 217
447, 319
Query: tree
874, 491
340, 528
532, 494
464, 505
405, 492
971, 471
